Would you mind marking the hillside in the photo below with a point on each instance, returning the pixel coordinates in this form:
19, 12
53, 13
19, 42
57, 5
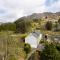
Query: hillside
42, 15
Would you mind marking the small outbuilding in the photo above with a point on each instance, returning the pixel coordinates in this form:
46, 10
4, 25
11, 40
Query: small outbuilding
33, 39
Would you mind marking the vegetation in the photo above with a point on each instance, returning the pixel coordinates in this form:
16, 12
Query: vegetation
22, 26
8, 27
50, 53
27, 48
11, 46
12, 39
58, 47
48, 25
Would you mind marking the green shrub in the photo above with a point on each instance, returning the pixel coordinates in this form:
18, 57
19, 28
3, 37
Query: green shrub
48, 25
27, 48
50, 53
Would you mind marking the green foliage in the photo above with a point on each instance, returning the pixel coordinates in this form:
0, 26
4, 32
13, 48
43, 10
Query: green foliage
27, 48
58, 47
48, 25
41, 41
50, 53
22, 26
8, 26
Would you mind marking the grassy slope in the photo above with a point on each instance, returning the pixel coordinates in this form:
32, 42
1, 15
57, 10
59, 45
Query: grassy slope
11, 42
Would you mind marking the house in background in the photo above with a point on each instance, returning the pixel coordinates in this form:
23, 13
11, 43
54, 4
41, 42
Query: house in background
33, 39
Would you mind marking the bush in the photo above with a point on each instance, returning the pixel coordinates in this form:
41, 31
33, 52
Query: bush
27, 48
48, 25
50, 53
58, 47
42, 41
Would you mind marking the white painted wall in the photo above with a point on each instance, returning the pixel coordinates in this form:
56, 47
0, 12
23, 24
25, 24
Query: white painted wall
31, 40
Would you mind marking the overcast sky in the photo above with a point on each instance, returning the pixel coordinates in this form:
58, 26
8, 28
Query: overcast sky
10, 10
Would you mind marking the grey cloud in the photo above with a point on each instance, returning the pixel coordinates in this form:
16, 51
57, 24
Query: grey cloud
18, 8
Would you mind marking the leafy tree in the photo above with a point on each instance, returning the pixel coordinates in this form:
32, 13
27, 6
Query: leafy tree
48, 25
22, 26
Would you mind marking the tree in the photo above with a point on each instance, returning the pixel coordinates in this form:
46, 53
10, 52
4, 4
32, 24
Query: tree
22, 26
48, 25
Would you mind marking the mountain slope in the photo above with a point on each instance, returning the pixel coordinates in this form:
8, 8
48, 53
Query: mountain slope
41, 15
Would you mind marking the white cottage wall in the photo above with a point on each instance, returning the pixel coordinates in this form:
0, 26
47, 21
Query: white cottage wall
31, 40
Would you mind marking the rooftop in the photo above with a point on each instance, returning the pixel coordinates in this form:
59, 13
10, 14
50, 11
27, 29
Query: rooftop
36, 34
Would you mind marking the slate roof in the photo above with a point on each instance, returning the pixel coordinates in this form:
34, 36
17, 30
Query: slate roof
36, 34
